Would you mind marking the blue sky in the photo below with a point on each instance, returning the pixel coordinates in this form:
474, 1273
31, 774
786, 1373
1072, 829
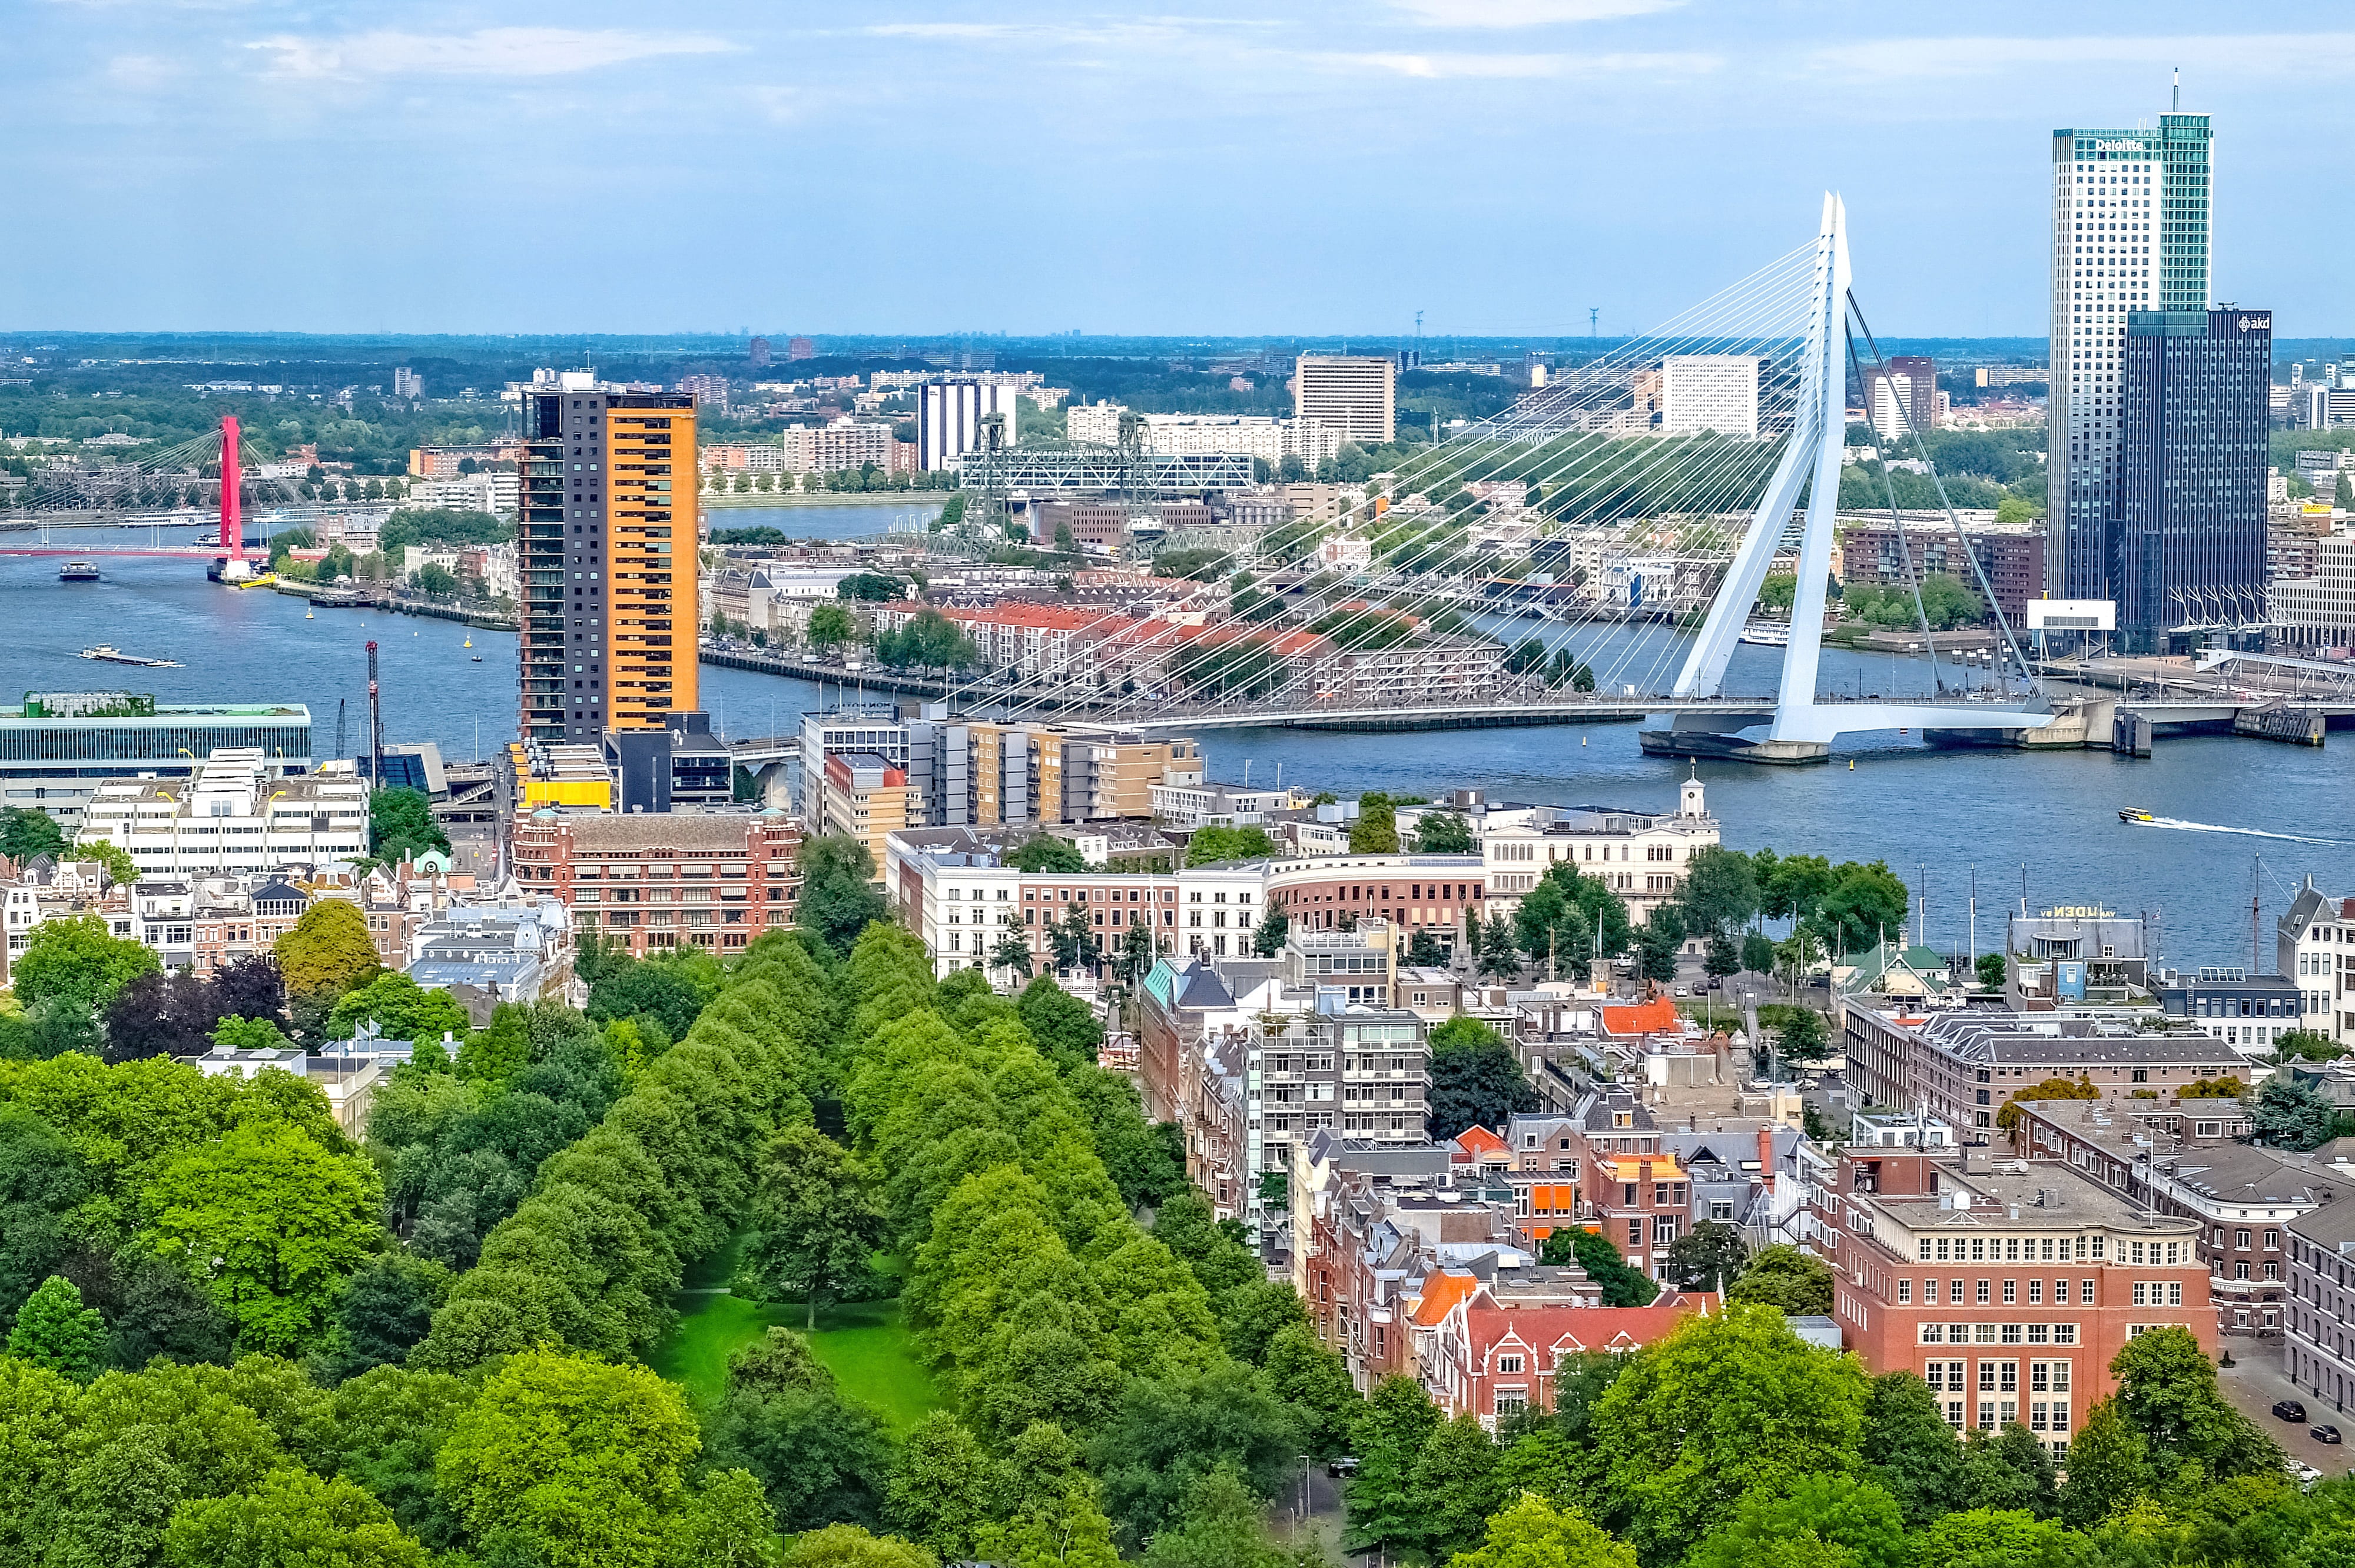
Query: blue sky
1174, 168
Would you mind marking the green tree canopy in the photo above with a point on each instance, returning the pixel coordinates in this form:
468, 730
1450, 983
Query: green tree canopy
1210, 846
1476, 1080
400, 1009
1534, 1533
328, 952
75, 961
813, 1222
838, 898
1375, 828
401, 825
1788, 1279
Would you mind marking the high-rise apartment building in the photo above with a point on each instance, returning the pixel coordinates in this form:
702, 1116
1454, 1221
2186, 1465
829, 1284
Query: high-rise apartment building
953, 416
1903, 397
1354, 394
2130, 222
2188, 544
606, 549
407, 382
1709, 392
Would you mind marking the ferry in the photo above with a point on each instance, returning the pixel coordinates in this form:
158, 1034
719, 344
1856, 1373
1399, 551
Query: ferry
78, 572
2135, 814
1767, 633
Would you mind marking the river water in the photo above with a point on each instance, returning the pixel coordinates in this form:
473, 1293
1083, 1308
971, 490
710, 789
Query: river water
1931, 815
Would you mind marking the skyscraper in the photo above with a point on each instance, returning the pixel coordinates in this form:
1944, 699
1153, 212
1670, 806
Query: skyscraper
606, 548
1709, 392
1903, 398
2189, 542
2130, 222
1354, 394
950, 416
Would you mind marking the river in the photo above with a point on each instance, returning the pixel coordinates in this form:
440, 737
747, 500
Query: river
1931, 815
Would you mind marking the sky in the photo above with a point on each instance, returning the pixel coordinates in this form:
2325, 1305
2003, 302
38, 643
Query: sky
1043, 166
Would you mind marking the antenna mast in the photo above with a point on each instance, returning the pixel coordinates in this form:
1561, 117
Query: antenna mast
375, 727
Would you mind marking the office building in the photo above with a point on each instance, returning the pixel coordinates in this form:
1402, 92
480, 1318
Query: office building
680, 767
606, 547
59, 746
1709, 392
2188, 536
1903, 398
2319, 1349
407, 382
2008, 1291
958, 416
235, 815
2012, 556
1352, 394
714, 879
2130, 224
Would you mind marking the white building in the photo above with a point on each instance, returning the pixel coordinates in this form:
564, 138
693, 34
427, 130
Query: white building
493, 492
2314, 946
2130, 232
1188, 435
232, 816
1643, 857
1709, 392
1096, 424
1355, 396
950, 416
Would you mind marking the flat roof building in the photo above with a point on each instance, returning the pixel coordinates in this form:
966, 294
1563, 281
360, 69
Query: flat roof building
233, 815
57, 747
1355, 395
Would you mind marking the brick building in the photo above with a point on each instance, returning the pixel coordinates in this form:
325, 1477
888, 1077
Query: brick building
715, 880
2007, 1287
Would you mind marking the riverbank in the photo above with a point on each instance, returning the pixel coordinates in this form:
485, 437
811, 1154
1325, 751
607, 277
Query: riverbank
933, 498
402, 604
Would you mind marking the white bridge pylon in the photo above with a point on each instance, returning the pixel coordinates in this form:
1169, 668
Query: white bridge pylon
1797, 728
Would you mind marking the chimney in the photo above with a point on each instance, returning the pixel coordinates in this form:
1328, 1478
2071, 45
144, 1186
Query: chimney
1766, 1156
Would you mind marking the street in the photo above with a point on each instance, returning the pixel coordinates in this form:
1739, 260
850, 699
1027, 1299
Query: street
2252, 1383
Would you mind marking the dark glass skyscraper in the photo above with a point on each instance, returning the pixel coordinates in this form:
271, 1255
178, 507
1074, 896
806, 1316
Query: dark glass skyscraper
2187, 541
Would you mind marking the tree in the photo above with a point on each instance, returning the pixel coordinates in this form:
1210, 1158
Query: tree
1045, 852
1719, 892
400, 1009
1307, 1374
1800, 1036
2109, 1466
1268, 935
1375, 830
75, 963
814, 1222
838, 898
1707, 1256
1594, 1252
830, 625
1217, 1526
160, 1014
1066, 1531
1757, 953
1658, 941
273, 1221
1454, 1486
1077, 946
381, 1312
1829, 1521
573, 1461
401, 825
1423, 951
1011, 953
292, 1520
939, 1493
2010, 1470
1984, 1538
1909, 1449
2168, 1395
1793, 1282
1719, 1407
25, 832
42, 1180
1212, 846
819, 1458
328, 952
54, 1329
2287, 1114
1066, 1030
2306, 1044
1443, 832
1475, 1079
1498, 956
1990, 970
1534, 1533
1167, 1433
1392, 1428
115, 861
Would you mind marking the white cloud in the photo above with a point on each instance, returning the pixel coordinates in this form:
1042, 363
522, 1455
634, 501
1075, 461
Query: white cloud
1446, 67
491, 51
2253, 54
1526, 12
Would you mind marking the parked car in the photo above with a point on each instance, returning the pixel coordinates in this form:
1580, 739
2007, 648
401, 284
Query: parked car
2307, 1474
2289, 1410
2324, 1433
1342, 1468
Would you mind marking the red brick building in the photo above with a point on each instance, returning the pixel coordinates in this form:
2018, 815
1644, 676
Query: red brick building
714, 880
2008, 1286
1490, 1359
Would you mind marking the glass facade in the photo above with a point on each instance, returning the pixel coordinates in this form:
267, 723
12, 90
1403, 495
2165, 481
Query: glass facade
2187, 539
2130, 232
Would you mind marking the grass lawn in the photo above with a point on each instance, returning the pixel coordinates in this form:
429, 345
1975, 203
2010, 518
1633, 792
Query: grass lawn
864, 1344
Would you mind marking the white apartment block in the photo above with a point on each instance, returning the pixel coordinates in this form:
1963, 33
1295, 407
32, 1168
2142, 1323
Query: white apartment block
1709, 392
951, 415
2319, 611
232, 817
495, 492
1187, 435
1095, 424
2314, 946
1354, 395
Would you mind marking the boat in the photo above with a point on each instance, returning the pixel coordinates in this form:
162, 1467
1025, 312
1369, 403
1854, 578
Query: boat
107, 652
1767, 634
266, 579
78, 572
2135, 814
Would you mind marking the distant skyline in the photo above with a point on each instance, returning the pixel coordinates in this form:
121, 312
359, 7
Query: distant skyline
921, 169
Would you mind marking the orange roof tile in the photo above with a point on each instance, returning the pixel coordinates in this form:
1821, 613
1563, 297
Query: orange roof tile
1441, 1292
1650, 1018
1475, 1141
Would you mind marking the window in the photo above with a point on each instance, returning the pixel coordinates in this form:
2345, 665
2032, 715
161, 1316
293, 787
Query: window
1983, 1292
1508, 1363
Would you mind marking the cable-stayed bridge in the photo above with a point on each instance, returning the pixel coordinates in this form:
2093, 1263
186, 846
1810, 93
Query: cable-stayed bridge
1595, 551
